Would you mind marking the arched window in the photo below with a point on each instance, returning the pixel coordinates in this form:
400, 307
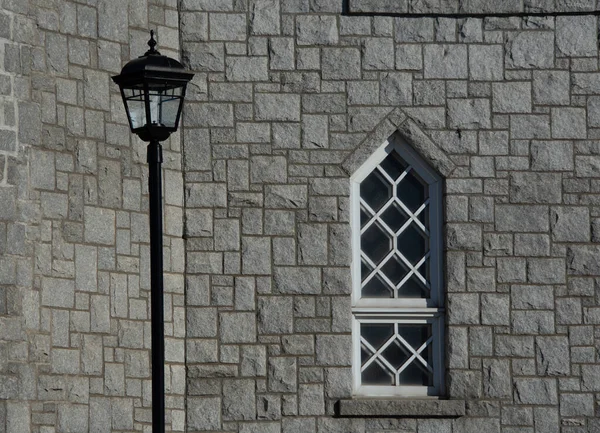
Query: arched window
397, 300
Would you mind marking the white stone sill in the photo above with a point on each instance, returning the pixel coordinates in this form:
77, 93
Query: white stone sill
400, 408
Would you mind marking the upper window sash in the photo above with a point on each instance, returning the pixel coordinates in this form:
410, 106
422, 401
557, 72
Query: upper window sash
434, 186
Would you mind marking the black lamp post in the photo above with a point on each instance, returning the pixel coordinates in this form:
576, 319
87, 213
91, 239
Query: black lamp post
153, 88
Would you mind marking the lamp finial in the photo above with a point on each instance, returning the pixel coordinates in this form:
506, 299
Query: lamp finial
152, 44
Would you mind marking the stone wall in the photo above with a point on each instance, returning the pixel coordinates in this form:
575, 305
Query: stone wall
74, 253
290, 97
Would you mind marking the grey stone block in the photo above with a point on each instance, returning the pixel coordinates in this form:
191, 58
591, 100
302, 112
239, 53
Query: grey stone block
231, 332
8, 140
575, 36
552, 155
446, 61
281, 54
8, 210
463, 308
529, 126
535, 188
497, 378
570, 224
246, 68
201, 322
285, 196
268, 169
256, 255
396, 88
495, 309
411, 29
530, 50
546, 271
277, 107
486, 62
522, 218
464, 237
552, 356
415, 408
264, 17
511, 97
409, 57
72, 417
469, 113
316, 30
590, 376
298, 425
315, 131
312, 244
551, 87
311, 399
577, 405
204, 413
99, 225
535, 391
208, 57
275, 315
227, 27
253, 361
465, 384
378, 54
239, 400
282, 372
193, 26
533, 322
569, 123
474, 425
341, 64
532, 297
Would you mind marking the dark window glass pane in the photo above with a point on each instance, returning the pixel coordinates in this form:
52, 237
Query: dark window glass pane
413, 244
394, 217
365, 270
375, 190
364, 217
415, 335
394, 270
393, 165
364, 356
376, 334
416, 375
413, 288
412, 191
375, 374
375, 243
396, 354
377, 288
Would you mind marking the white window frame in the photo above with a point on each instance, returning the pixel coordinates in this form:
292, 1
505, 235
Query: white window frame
408, 310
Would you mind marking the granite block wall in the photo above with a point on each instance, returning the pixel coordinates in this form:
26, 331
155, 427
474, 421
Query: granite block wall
74, 277
290, 98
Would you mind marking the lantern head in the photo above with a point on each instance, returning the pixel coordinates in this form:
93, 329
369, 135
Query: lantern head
153, 88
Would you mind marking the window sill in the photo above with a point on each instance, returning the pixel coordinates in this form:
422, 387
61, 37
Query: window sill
400, 408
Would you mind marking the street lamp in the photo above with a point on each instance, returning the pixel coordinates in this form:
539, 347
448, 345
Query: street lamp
153, 88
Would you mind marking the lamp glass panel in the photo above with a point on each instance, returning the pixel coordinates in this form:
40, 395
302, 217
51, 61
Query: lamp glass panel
164, 106
135, 107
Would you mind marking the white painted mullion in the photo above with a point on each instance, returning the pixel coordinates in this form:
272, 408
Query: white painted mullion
374, 215
377, 269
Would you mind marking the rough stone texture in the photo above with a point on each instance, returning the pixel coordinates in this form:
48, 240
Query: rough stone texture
74, 271
289, 99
